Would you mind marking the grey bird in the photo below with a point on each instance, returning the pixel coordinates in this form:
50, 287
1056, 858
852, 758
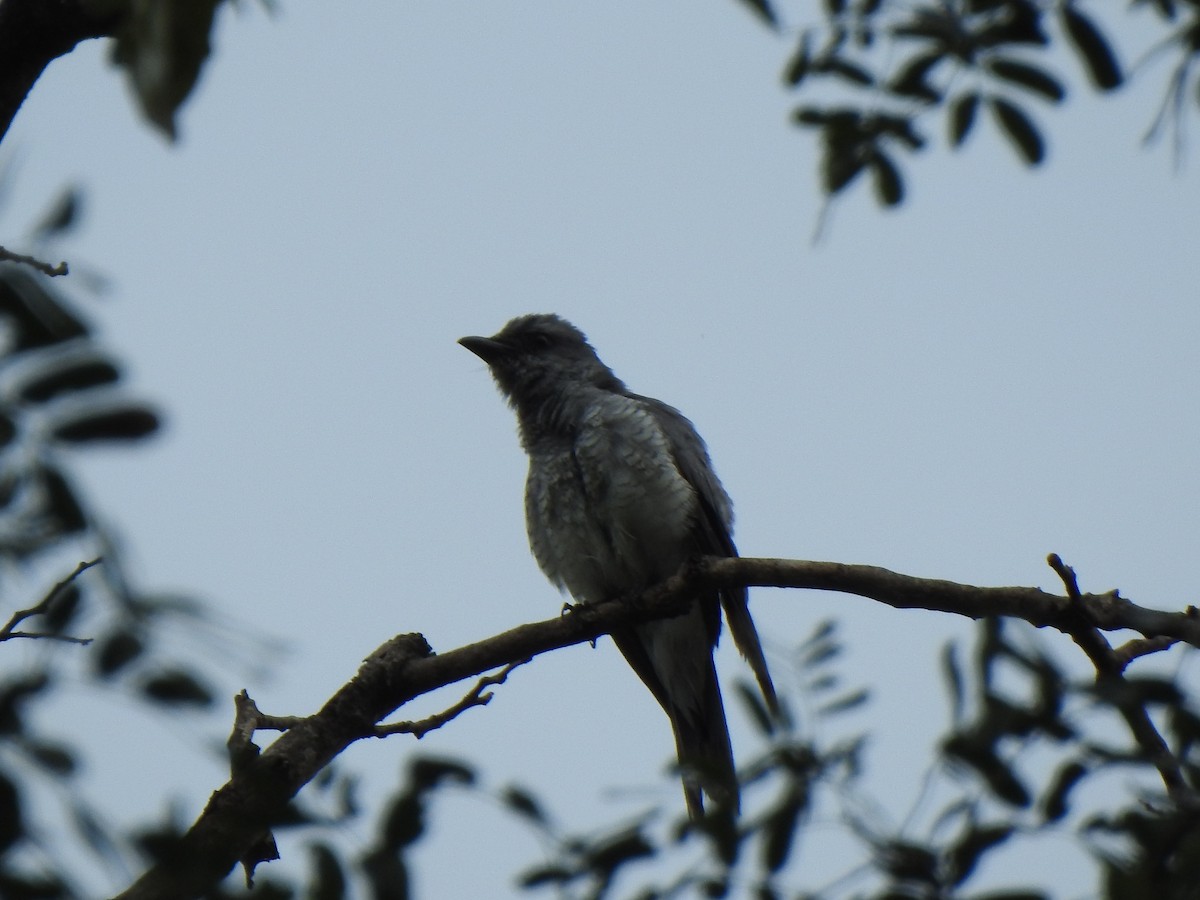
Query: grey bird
620, 493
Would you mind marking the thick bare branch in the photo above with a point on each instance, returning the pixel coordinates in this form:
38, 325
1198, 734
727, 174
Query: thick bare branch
405, 668
34, 32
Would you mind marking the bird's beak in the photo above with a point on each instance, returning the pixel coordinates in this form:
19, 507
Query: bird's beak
487, 349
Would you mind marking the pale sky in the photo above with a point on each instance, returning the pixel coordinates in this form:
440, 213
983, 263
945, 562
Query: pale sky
1003, 368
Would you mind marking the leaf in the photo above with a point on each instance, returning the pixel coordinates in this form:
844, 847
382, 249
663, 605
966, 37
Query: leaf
8, 430
123, 423
34, 311
966, 852
798, 66
907, 861
981, 757
1054, 804
62, 609
54, 758
162, 45
70, 375
889, 186
1029, 77
328, 878
524, 804
845, 703
13, 695
952, 674
852, 72
116, 651
752, 701
61, 501
12, 829
1093, 49
427, 772
1019, 129
779, 828
177, 688
913, 79
763, 10
541, 875
62, 215
608, 855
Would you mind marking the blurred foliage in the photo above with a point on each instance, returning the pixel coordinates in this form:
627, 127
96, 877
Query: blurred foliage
887, 72
1027, 757
61, 393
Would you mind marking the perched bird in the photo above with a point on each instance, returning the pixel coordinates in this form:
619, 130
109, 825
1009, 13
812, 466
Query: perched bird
620, 494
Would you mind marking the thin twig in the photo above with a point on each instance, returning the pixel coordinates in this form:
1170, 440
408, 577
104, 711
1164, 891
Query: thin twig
8, 632
476, 697
1139, 647
1110, 672
43, 267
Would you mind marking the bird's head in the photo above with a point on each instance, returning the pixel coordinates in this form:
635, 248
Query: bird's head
542, 360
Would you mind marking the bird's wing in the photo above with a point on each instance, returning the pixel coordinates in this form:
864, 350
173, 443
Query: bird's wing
712, 532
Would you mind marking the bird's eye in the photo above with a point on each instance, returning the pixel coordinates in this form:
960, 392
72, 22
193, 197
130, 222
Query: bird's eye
541, 341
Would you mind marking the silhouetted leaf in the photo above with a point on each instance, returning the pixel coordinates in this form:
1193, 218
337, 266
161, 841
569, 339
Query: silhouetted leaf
13, 695
779, 828
119, 424
845, 703
176, 688
908, 861
37, 317
541, 875
61, 502
608, 855
12, 828
54, 758
61, 217
427, 772
8, 430
952, 674
524, 804
162, 46
798, 66
982, 758
62, 609
1054, 804
843, 68
753, 703
68, 375
328, 879
117, 650
1019, 129
94, 834
1021, 24
966, 852
889, 186
404, 821
912, 80
1027, 76
1092, 47
763, 10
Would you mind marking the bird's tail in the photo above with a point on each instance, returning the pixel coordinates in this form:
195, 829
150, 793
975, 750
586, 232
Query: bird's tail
704, 752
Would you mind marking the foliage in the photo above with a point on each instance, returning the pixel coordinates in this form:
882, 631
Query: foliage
61, 392
897, 68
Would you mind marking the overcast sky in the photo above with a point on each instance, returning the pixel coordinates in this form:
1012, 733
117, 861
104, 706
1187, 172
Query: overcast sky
1003, 368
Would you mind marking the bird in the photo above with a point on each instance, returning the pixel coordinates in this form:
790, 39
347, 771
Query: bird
620, 493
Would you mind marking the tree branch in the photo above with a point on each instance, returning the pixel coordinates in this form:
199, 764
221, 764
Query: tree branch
7, 255
7, 632
405, 667
34, 32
